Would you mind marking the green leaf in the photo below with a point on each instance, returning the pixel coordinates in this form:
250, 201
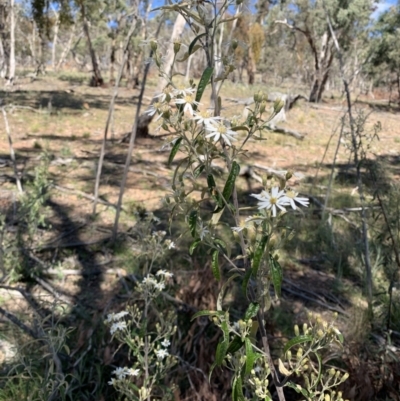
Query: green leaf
223, 289
198, 170
246, 280
229, 185
193, 222
235, 345
206, 313
230, 182
214, 193
258, 254
193, 246
277, 275
192, 45
319, 371
174, 150
251, 311
237, 390
221, 352
295, 341
205, 78
215, 265
240, 128
250, 356
298, 389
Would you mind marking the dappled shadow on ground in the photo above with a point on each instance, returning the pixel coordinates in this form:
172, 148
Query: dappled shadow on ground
62, 99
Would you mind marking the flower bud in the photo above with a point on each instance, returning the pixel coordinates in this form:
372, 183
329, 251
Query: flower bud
177, 46
263, 105
234, 44
345, 377
278, 105
153, 45
296, 330
327, 397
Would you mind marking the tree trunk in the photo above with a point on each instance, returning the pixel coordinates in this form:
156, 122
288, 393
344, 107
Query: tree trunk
55, 38
97, 79
145, 119
112, 59
11, 74
4, 52
323, 63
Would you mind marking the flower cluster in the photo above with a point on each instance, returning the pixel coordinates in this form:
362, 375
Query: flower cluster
123, 373
278, 199
115, 319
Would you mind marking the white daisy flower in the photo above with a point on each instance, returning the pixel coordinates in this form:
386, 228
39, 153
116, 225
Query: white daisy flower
117, 326
159, 286
275, 199
153, 109
150, 281
162, 353
189, 101
171, 245
120, 315
218, 130
133, 372
164, 273
184, 92
120, 373
167, 94
202, 231
113, 382
291, 197
205, 117
166, 343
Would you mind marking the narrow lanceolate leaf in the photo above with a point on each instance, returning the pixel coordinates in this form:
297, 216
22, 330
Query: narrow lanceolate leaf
235, 345
251, 311
206, 313
215, 265
230, 182
258, 254
193, 222
277, 275
229, 186
221, 352
194, 245
319, 371
198, 170
240, 128
251, 356
214, 193
295, 341
237, 391
205, 78
192, 45
246, 280
174, 150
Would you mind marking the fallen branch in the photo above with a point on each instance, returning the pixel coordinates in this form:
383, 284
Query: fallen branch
285, 131
83, 194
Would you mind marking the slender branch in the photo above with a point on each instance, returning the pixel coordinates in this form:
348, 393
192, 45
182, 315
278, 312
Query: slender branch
110, 115
12, 153
131, 144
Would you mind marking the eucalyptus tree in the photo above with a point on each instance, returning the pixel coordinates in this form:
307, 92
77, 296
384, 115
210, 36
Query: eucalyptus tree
385, 48
308, 18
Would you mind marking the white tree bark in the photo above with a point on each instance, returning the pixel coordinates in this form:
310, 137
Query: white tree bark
11, 74
55, 37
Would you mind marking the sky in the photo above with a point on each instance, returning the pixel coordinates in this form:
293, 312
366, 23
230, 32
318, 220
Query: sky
381, 7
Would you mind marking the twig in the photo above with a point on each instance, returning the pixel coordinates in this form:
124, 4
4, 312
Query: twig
12, 153
83, 194
12, 318
286, 131
110, 116
131, 145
